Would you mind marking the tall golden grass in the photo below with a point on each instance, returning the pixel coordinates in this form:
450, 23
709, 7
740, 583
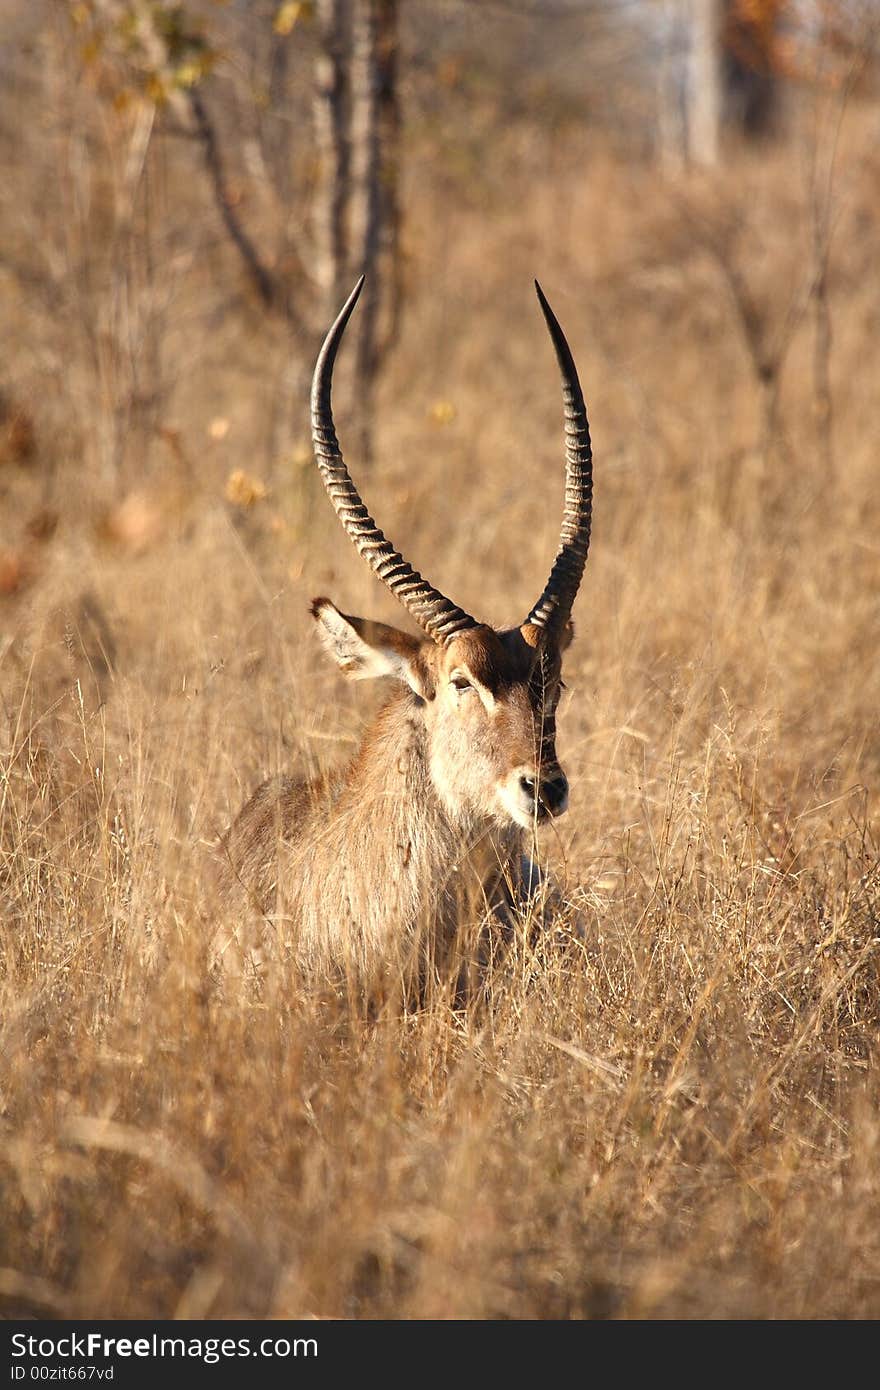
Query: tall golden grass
675, 1116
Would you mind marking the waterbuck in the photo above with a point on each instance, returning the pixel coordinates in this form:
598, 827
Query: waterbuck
375, 867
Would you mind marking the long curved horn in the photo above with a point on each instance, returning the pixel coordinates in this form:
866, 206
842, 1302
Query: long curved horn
430, 609
554, 606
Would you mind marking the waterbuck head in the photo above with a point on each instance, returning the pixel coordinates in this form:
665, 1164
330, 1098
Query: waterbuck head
487, 698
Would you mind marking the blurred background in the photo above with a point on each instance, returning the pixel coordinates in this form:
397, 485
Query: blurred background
189, 192
192, 188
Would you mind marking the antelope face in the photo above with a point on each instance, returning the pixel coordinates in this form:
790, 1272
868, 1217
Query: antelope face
488, 699
493, 726
488, 703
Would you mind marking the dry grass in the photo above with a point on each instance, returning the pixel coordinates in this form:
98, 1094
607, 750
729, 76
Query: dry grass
677, 1117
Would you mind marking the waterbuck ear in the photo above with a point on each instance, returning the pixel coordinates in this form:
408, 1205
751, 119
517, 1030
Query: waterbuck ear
533, 635
364, 649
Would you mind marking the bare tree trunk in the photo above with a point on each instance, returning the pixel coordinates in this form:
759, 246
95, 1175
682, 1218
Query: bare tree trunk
327, 260
375, 127
331, 127
753, 62
670, 94
704, 80
389, 168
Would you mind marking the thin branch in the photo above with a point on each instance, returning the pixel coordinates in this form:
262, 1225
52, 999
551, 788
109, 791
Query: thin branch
263, 279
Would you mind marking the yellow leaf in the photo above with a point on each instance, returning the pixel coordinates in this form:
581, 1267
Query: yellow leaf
243, 490
188, 74
156, 90
287, 15
441, 413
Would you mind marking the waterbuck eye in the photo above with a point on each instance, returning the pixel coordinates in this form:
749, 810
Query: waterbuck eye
461, 683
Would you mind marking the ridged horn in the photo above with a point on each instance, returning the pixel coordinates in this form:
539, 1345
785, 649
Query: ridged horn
554, 606
433, 612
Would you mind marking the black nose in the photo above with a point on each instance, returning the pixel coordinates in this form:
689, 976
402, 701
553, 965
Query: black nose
554, 791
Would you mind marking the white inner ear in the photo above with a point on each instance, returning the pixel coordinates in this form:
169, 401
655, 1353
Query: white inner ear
357, 658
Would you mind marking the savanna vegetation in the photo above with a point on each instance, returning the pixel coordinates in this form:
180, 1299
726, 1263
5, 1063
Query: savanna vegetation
675, 1113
